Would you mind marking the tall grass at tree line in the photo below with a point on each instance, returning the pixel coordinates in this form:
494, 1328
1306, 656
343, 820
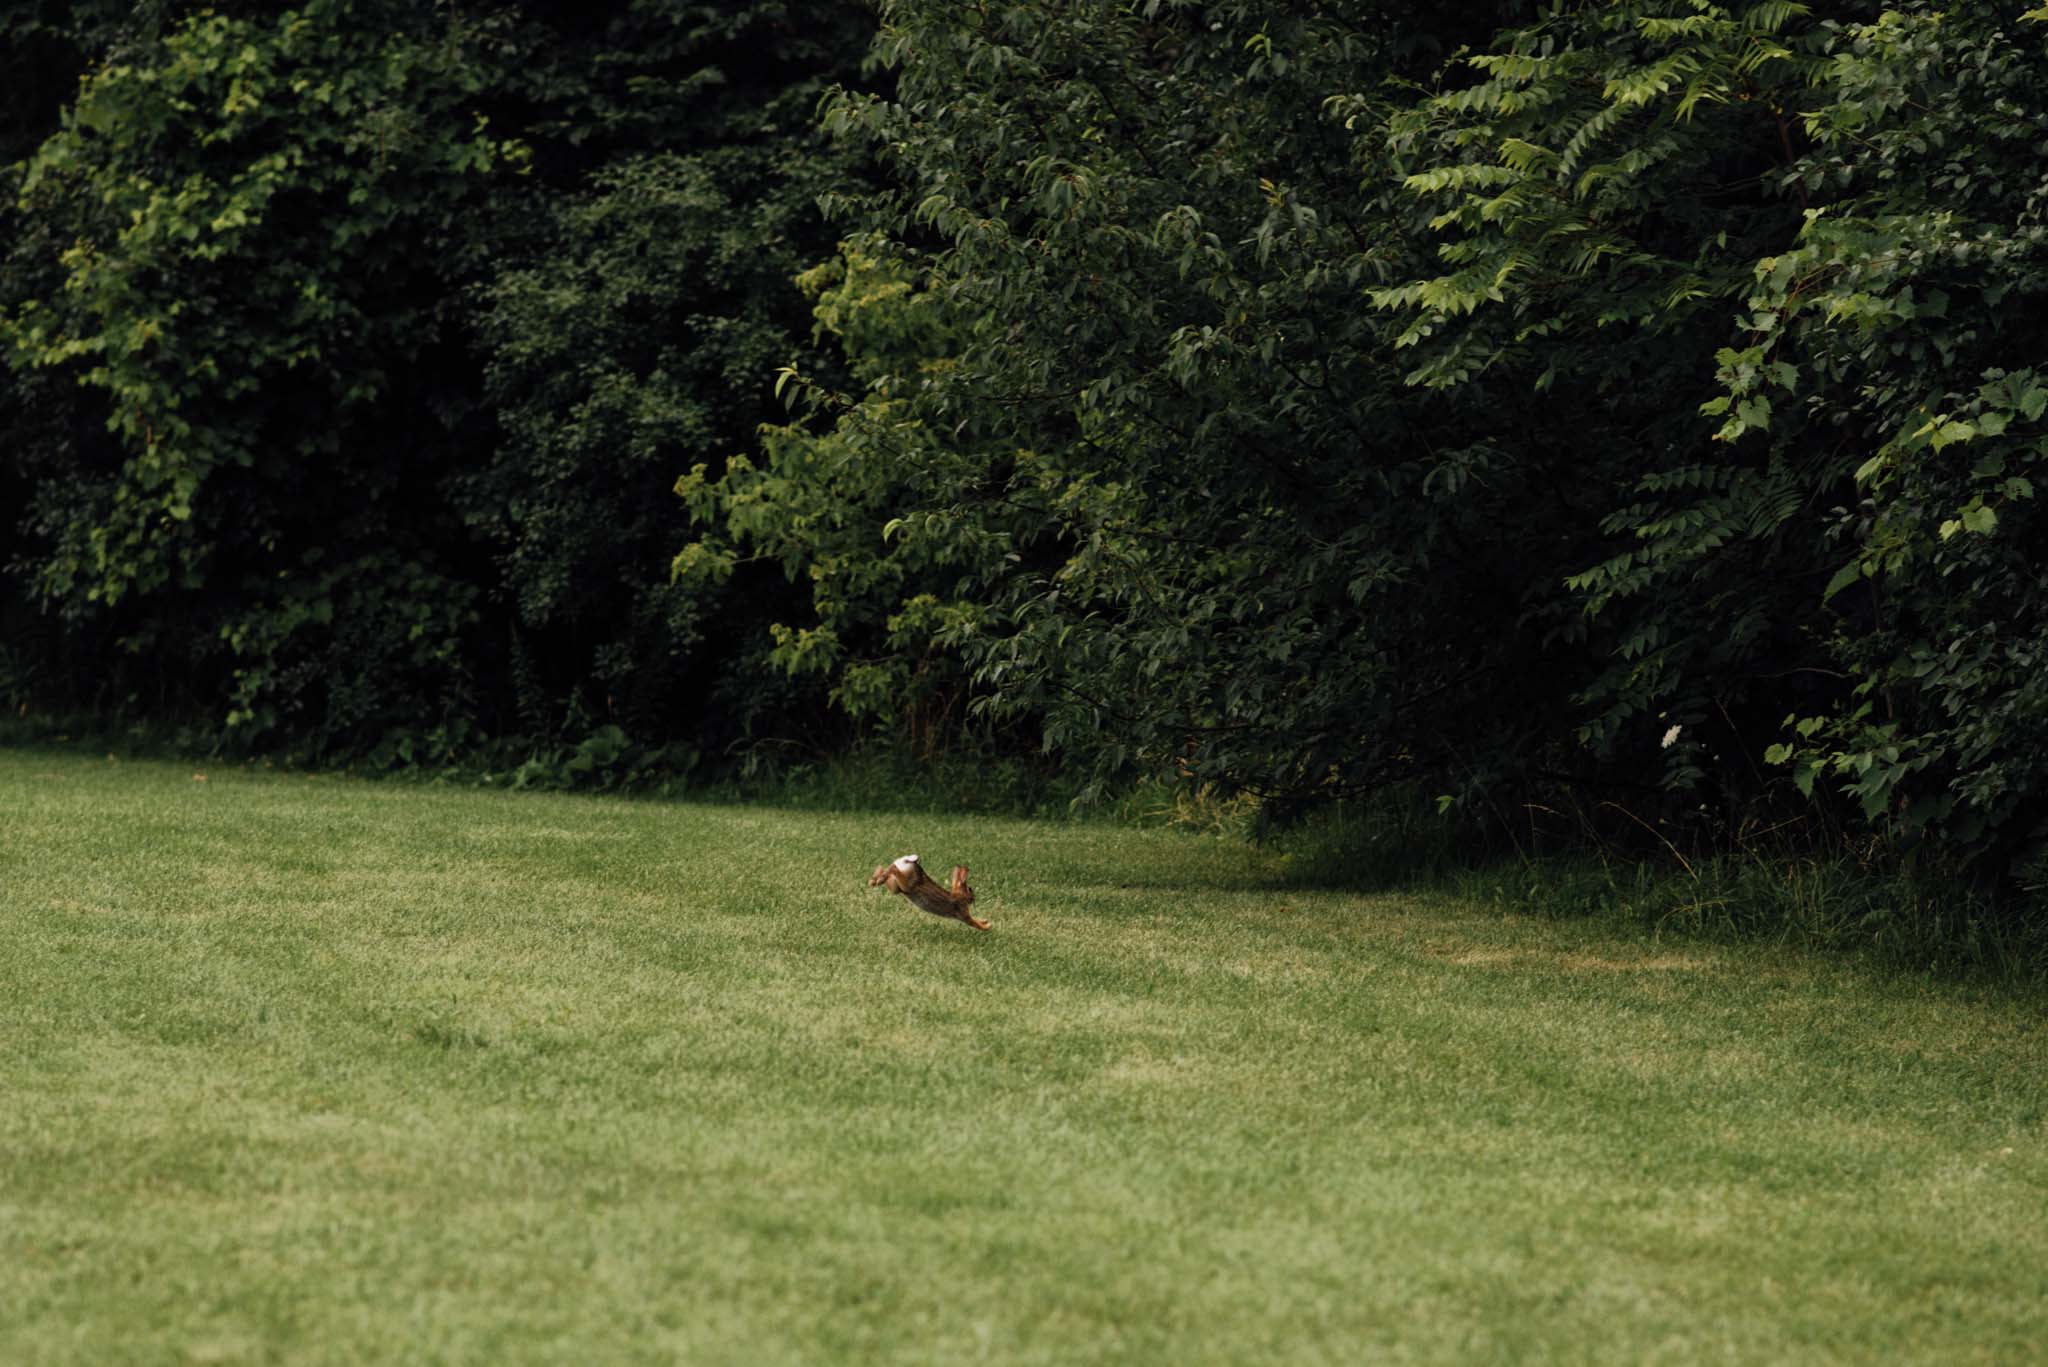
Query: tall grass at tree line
1795, 882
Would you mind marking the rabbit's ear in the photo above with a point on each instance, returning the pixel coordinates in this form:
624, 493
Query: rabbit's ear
959, 877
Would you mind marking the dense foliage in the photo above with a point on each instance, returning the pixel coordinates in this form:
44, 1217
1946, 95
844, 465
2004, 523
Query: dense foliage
1637, 401
1840, 568
355, 348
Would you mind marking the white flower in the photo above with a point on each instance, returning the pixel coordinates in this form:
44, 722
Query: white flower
1671, 735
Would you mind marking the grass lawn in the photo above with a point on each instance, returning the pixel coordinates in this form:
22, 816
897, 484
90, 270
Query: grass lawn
309, 1070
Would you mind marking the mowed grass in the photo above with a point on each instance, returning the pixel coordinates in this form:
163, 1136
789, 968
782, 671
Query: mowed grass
310, 1070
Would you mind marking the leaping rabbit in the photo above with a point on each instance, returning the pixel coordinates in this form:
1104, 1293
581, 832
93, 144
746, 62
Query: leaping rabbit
908, 877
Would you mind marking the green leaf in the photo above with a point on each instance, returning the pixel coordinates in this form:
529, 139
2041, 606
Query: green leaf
1802, 778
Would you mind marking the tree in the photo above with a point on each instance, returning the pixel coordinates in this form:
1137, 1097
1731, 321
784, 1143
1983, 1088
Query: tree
635, 312
1196, 516
258, 217
1825, 552
353, 350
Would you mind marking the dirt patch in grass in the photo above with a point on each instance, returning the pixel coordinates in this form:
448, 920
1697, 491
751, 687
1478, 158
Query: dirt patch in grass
1580, 962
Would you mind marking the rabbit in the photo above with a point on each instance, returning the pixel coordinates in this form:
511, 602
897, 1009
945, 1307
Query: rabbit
908, 877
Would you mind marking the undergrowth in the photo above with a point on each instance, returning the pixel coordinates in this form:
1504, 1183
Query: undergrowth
1811, 887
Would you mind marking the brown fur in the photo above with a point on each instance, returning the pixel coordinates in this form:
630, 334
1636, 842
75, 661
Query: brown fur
926, 894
